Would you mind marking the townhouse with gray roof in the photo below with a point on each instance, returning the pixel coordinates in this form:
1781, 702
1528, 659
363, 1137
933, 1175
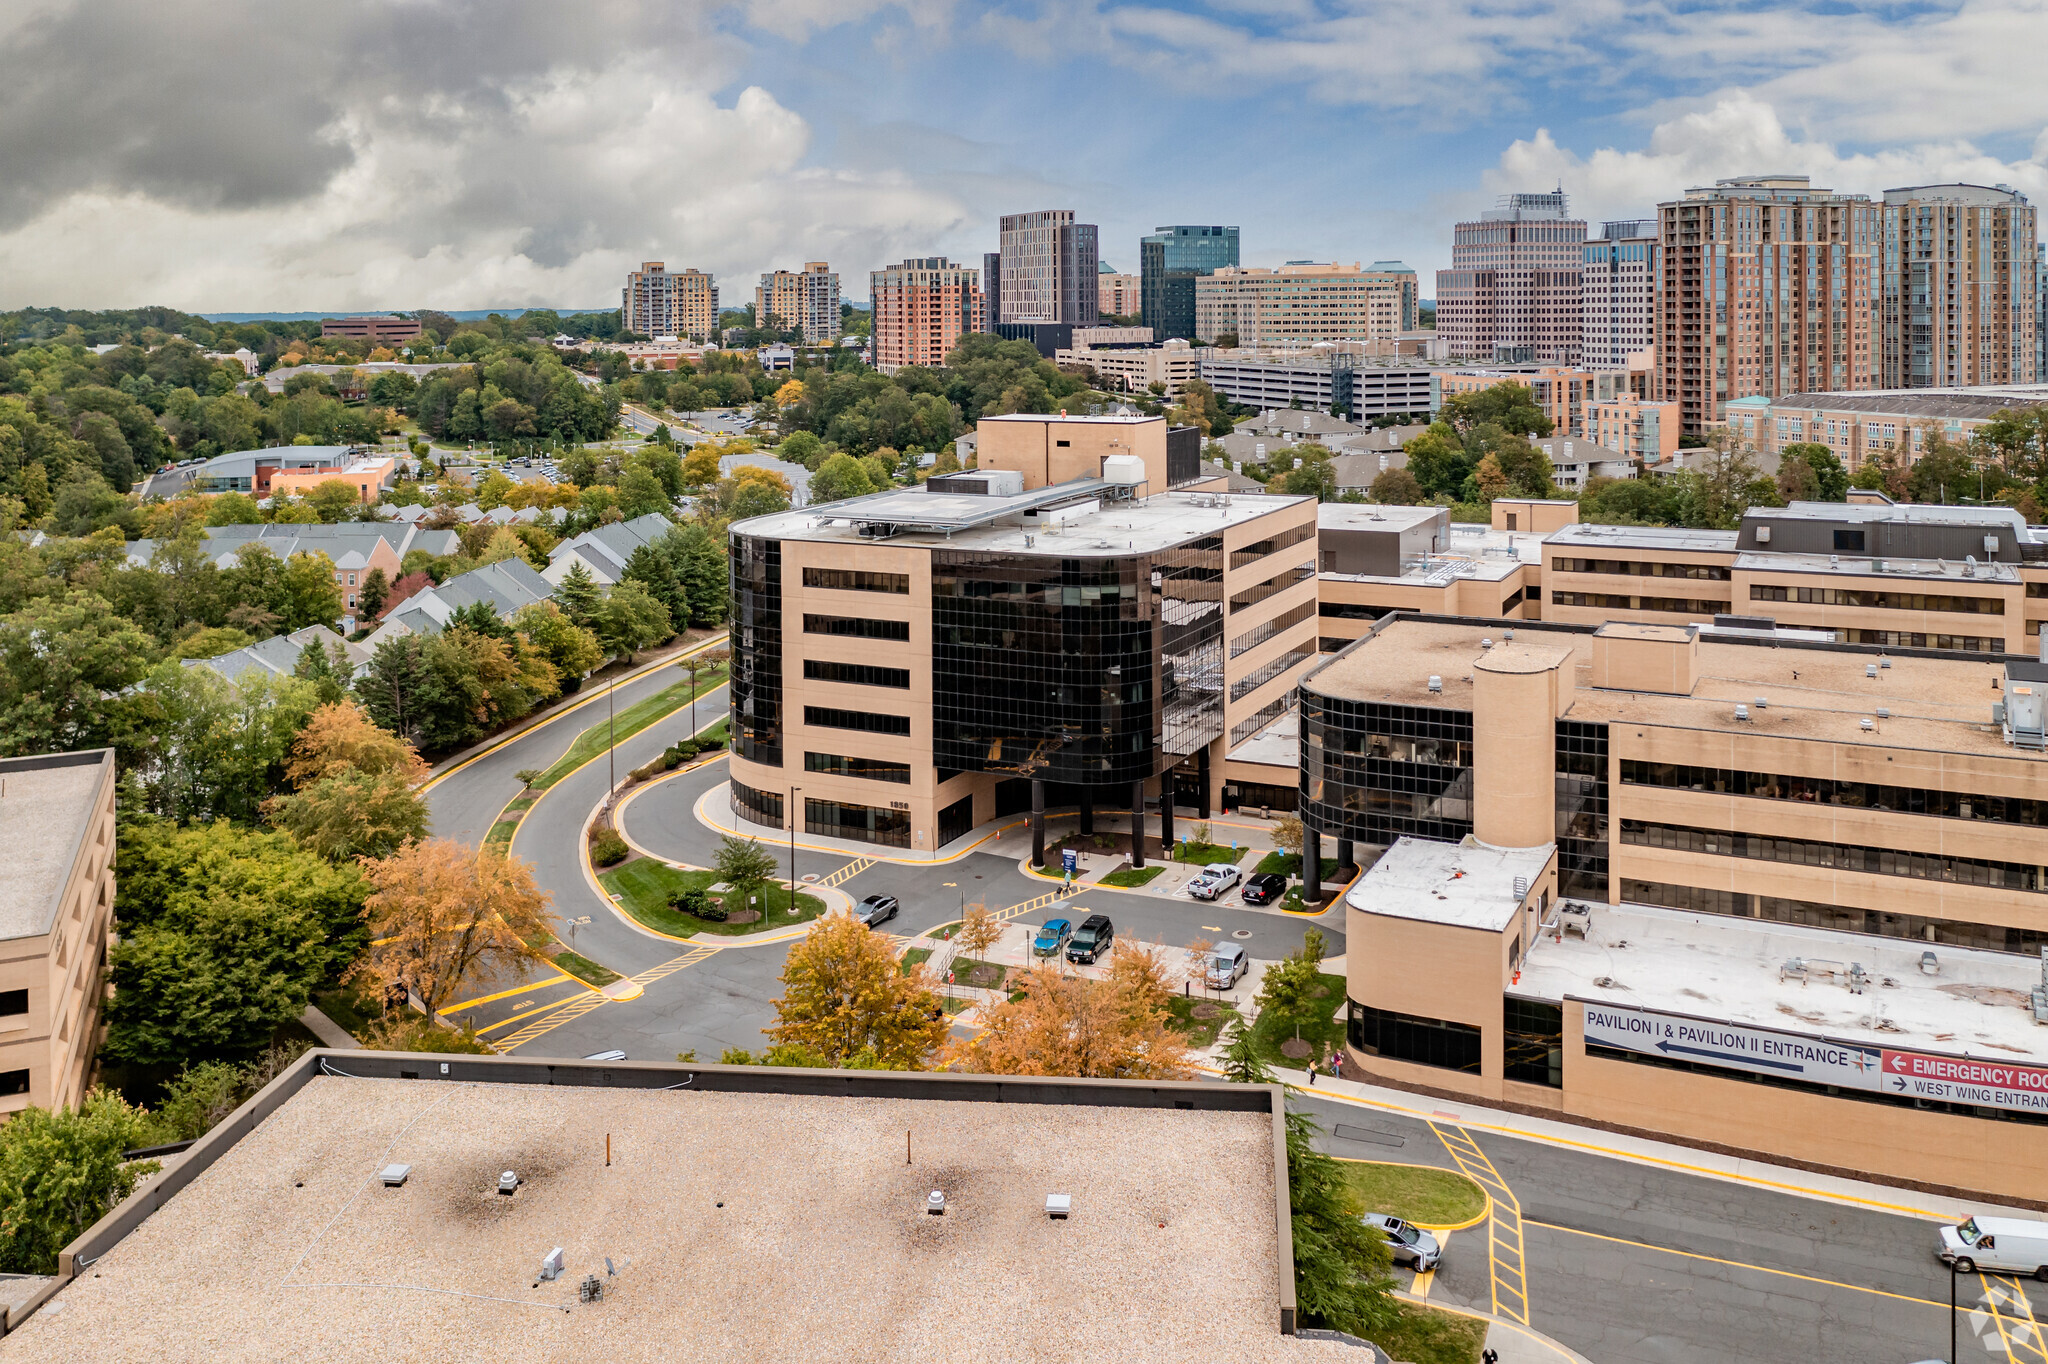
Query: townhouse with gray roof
507, 585
604, 550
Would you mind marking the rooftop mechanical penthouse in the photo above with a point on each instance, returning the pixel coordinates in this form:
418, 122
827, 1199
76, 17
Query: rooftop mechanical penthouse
1081, 620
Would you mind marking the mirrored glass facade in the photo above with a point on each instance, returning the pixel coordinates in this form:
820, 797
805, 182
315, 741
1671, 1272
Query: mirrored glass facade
1371, 772
756, 689
1582, 809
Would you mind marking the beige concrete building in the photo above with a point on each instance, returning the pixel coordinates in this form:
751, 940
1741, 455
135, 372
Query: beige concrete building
1077, 621
1516, 282
1298, 305
921, 309
1730, 886
1134, 369
1640, 430
1861, 426
56, 910
806, 300
657, 303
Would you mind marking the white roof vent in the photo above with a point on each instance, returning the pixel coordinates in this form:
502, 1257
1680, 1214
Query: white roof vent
508, 1183
1059, 1206
1870, 670
1742, 713
551, 1265
1866, 724
1507, 634
394, 1175
935, 1203
1763, 535
1486, 644
1436, 683
1762, 704
1834, 561
1884, 713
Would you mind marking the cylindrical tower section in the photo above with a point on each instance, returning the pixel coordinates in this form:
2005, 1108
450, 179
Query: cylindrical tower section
1514, 745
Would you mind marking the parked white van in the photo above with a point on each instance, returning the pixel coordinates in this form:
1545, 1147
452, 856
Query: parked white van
2008, 1245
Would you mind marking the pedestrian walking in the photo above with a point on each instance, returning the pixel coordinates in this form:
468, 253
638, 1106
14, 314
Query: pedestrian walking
1336, 1065
1311, 1074
1492, 1356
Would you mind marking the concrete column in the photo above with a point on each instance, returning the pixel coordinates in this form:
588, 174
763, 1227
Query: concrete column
1515, 691
1037, 822
1202, 762
1346, 866
1311, 865
1138, 824
1169, 789
1087, 810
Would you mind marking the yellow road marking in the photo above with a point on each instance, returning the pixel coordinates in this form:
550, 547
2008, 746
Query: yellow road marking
502, 994
583, 1004
2025, 1327
541, 1010
1425, 1280
1506, 1255
847, 872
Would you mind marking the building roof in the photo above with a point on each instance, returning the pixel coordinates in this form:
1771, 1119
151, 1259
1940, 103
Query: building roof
1299, 422
1963, 404
1277, 745
1938, 702
1357, 471
1466, 885
1908, 512
1374, 516
1587, 536
507, 585
1764, 561
1577, 450
279, 654
46, 806
612, 545
1233, 480
286, 1244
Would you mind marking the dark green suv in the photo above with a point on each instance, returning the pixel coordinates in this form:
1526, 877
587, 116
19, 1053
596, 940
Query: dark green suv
1091, 941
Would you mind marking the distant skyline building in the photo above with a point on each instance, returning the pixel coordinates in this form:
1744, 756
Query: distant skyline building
1116, 294
657, 303
1959, 293
921, 309
1046, 268
1516, 281
805, 300
1170, 260
1620, 292
1304, 302
1766, 287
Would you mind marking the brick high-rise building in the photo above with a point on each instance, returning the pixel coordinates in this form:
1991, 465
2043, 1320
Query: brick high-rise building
1766, 286
1046, 270
1619, 290
921, 309
1116, 295
806, 300
1960, 295
1515, 286
657, 303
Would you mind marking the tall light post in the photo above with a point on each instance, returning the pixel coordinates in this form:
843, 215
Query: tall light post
792, 845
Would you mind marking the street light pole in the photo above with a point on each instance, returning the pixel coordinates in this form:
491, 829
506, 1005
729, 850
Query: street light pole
792, 844
611, 729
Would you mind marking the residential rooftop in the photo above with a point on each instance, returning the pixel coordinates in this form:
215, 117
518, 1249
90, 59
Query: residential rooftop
725, 1217
1962, 403
1466, 885
46, 802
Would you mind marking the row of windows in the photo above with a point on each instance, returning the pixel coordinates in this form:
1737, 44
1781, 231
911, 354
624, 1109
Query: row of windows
858, 580
866, 769
1882, 601
1854, 795
1409, 1037
1286, 539
1612, 601
1532, 1042
1967, 871
1909, 639
1259, 634
859, 674
759, 807
864, 823
1266, 672
756, 684
856, 627
1260, 718
1279, 582
1348, 610
866, 722
1841, 918
1647, 569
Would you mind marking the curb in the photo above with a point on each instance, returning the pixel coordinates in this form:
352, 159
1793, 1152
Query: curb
1485, 1211
1498, 1323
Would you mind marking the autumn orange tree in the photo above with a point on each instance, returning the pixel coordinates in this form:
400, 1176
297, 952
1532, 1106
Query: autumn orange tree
444, 915
1114, 1028
844, 994
354, 783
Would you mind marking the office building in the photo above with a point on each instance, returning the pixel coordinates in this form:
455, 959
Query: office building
1129, 368
804, 300
1620, 284
1046, 270
1861, 426
1170, 260
1960, 296
379, 330
1766, 286
1077, 621
1304, 302
360, 1190
368, 477
1323, 379
1729, 884
2041, 312
1115, 295
1516, 283
56, 912
660, 304
919, 310
251, 471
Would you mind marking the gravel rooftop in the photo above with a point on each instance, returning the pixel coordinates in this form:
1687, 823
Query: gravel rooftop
289, 1248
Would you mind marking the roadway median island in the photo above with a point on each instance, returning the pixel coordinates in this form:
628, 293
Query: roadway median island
654, 894
1430, 1197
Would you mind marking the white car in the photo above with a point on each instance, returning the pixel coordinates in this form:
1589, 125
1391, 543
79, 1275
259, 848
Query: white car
1227, 965
1409, 1243
1216, 878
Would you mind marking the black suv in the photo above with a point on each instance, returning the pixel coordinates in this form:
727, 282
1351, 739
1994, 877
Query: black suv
1091, 940
1263, 887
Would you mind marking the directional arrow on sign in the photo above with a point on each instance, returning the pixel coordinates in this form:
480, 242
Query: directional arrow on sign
1731, 1056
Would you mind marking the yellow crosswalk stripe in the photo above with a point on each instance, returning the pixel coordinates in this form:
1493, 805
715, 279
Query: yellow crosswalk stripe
848, 872
1505, 1250
583, 1004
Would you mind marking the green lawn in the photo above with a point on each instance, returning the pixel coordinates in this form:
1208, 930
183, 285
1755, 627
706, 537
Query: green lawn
1422, 1194
1132, 876
584, 969
1205, 853
1201, 1032
1423, 1335
628, 722
644, 886
502, 831
944, 931
914, 957
1324, 1033
1289, 864
964, 968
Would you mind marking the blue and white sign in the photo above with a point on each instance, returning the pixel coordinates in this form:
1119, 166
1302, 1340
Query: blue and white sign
1070, 861
1731, 1046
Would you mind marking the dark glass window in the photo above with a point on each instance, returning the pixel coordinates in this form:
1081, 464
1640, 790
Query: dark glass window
898, 630
1406, 1037
13, 1082
1267, 671
857, 580
865, 823
956, 820
1532, 1038
1582, 809
1841, 918
1373, 772
1914, 639
1645, 569
867, 769
756, 688
1613, 601
13, 1002
1272, 544
1279, 582
760, 807
831, 717
1883, 601
1848, 542
860, 674
1855, 857
1259, 634
1855, 795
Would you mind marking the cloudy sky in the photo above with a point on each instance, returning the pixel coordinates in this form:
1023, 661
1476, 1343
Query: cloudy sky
221, 155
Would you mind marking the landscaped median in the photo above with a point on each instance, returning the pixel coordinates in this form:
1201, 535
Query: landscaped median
648, 889
1427, 1195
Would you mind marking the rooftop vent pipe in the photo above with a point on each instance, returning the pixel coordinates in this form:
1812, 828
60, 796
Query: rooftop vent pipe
935, 1203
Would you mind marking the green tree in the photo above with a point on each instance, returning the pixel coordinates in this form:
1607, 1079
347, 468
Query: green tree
61, 1171
1439, 460
63, 663
744, 864
651, 566
577, 594
629, 618
838, 478
569, 648
754, 498
201, 746
707, 578
1510, 405
333, 500
233, 509
1341, 1274
1293, 992
311, 594
327, 667
1944, 471
376, 588
1397, 487
640, 493
1242, 1063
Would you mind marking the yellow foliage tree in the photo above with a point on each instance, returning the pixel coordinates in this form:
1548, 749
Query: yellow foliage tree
1492, 480
844, 993
790, 394
445, 916
979, 930
1114, 1028
341, 734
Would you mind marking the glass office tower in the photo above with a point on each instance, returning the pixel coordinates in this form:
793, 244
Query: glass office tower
1169, 260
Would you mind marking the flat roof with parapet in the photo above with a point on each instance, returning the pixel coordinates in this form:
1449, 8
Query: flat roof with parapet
1902, 512
46, 805
1812, 691
741, 1226
1465, 885
1586, 535
1137, 526
1277, 745
1889, 566
1374, 516
1107, 419
1729, 969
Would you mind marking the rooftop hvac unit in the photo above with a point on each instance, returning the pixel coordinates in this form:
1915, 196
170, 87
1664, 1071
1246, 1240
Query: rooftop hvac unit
1486, 644
1762, 704
1866, 724
1059, 1206
1436, 683
1742, 713
1870, 670
551, 1265
1127, 470
1763, 535
935, 1203
394, 1175
1884, 713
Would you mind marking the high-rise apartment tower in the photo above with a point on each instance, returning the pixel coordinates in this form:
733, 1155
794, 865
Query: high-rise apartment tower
1515, 282
806, 300
1959, 287
657, 303
1620, 288
1046, 268
922, 307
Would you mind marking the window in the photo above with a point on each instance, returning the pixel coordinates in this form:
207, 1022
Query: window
1532, 1037
1266, 672
864, 823
866, 769
1406, 1037
13, 1002
859, 674
1852, 857
760, 807
1279, 582
857, 628
857, 580
1848, 542
1259, 634
829, 717
13, 1082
